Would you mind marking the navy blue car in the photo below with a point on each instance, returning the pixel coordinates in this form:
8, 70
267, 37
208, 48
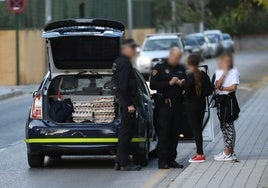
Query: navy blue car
80, 54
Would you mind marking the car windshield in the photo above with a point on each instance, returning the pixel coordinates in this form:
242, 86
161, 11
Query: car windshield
226, 37
190, 42
201, 40
217, 36
212, 39
161, 44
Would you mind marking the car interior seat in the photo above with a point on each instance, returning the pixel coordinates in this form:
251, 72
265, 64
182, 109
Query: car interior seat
68, 84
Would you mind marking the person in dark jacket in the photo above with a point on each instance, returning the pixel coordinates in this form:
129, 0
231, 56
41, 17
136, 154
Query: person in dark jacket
168, 78
127, 91
197, 86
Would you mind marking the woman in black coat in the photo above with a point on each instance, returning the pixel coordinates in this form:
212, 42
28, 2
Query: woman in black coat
197, 87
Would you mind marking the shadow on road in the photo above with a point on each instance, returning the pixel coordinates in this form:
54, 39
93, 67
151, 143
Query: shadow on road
86, 162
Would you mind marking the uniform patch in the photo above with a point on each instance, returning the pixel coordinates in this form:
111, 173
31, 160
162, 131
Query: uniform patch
154, 72
167, 71
114, 66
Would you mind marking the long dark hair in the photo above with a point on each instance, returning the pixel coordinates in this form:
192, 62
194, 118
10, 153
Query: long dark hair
194, 60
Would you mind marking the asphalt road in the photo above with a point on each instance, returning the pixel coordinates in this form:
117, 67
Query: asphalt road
97, 171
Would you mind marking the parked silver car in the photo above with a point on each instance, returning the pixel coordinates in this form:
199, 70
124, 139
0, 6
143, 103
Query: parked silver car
192, 46
155, 49
219, 38
214, 45
203, 42
228, 43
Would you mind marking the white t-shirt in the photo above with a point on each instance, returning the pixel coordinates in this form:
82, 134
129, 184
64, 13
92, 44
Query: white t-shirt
232, 77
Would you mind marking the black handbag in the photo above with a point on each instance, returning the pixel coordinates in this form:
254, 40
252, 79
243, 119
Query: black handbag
61, 111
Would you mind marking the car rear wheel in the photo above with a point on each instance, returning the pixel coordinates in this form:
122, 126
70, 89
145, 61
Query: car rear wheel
35, 160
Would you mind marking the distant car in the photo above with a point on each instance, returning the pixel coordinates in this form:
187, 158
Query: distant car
203, 42
192, 46
81, 53
215, 45
228, 43
155, 49
219, 37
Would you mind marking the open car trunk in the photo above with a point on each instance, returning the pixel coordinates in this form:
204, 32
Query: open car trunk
94, 102
82, 44
81, 53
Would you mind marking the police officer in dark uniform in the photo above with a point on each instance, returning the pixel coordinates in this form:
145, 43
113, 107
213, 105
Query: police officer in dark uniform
127, 91
168, 78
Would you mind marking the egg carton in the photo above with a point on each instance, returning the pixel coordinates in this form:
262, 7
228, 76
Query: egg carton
99, 110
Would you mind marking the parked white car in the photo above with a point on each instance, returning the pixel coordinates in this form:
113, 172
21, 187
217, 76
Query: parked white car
155, 49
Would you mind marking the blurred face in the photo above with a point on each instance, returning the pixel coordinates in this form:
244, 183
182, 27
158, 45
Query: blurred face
220, 63
128, 51
226, 63
174, 56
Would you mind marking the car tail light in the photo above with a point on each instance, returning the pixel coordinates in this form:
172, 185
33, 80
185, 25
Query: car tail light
37, 111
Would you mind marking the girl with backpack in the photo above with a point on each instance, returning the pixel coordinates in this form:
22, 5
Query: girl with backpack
197, 86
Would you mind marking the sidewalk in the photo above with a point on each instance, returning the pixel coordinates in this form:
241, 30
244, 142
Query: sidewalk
251, 149
7, 92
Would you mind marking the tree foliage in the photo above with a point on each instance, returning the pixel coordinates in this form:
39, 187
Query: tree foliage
233, 16
238, 17
186, 11
263, 3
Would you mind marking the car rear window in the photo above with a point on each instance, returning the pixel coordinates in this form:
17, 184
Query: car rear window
81, 85
84, 52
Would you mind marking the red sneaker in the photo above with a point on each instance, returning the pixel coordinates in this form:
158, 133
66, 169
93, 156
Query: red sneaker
197, 159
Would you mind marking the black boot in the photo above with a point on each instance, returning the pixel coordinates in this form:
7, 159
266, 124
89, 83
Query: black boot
162, 165
174, 164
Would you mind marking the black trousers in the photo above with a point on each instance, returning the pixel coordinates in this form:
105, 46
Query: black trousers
168, 129
195, 111
128, 123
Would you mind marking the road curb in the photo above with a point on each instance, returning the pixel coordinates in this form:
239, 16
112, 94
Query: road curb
10, 95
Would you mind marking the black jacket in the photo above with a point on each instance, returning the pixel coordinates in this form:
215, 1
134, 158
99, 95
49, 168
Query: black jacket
125, 80
227, 108
190, 90
160, 77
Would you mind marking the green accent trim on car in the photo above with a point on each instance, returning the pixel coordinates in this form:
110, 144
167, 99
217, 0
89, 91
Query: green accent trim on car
78, 140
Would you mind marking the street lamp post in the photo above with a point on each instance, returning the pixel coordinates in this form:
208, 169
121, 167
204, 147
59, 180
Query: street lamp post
201, 24
173, 17
130, 18
47, 11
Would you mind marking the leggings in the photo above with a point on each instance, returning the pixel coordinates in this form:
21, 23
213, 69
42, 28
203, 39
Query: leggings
229, 134
195, 111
